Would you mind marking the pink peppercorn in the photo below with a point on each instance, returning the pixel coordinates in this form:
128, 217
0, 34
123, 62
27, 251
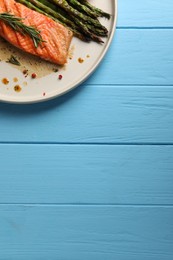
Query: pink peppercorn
34, 75
60, 76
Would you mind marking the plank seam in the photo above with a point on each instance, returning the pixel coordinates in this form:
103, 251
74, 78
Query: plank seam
144, 27
89, 144
127, 85
87, 205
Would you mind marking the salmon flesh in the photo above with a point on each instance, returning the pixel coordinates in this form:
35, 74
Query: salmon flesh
56, 37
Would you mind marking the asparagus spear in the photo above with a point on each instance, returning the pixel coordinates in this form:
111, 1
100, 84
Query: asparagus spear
82, 27
99, 12
64, 4
55, 16
91, 28
85, 32
83, 8
85, 29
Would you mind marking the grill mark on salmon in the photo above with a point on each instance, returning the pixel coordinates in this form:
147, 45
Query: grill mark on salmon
56, 37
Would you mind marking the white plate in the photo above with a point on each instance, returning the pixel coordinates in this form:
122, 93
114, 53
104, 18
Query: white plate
48, 85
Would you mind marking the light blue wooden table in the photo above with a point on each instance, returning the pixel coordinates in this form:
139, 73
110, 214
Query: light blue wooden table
89, 175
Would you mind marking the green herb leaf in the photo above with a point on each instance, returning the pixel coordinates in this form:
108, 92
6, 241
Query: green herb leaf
16, 23
13, 60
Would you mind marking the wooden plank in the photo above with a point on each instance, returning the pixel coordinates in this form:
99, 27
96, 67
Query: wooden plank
75, 233
86, 174
137, 57
104, 114
148, 13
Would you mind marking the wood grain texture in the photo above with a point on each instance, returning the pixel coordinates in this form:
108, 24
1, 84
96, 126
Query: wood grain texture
96, 233
92, 114
137, 57
82, 174
148, 13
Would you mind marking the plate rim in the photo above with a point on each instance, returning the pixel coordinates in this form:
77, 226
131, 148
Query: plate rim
80, 81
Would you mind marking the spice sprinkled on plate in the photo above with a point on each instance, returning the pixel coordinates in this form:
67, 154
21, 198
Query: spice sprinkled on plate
15, 79
55, 69
5, 81
34, 75
80, 60
17, 88
25, 83
25, 72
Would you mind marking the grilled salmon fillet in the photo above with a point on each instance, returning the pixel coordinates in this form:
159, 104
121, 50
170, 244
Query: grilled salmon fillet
56, 37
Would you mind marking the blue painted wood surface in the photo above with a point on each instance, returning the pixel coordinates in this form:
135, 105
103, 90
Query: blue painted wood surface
87, 174
94, 114
90, 175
